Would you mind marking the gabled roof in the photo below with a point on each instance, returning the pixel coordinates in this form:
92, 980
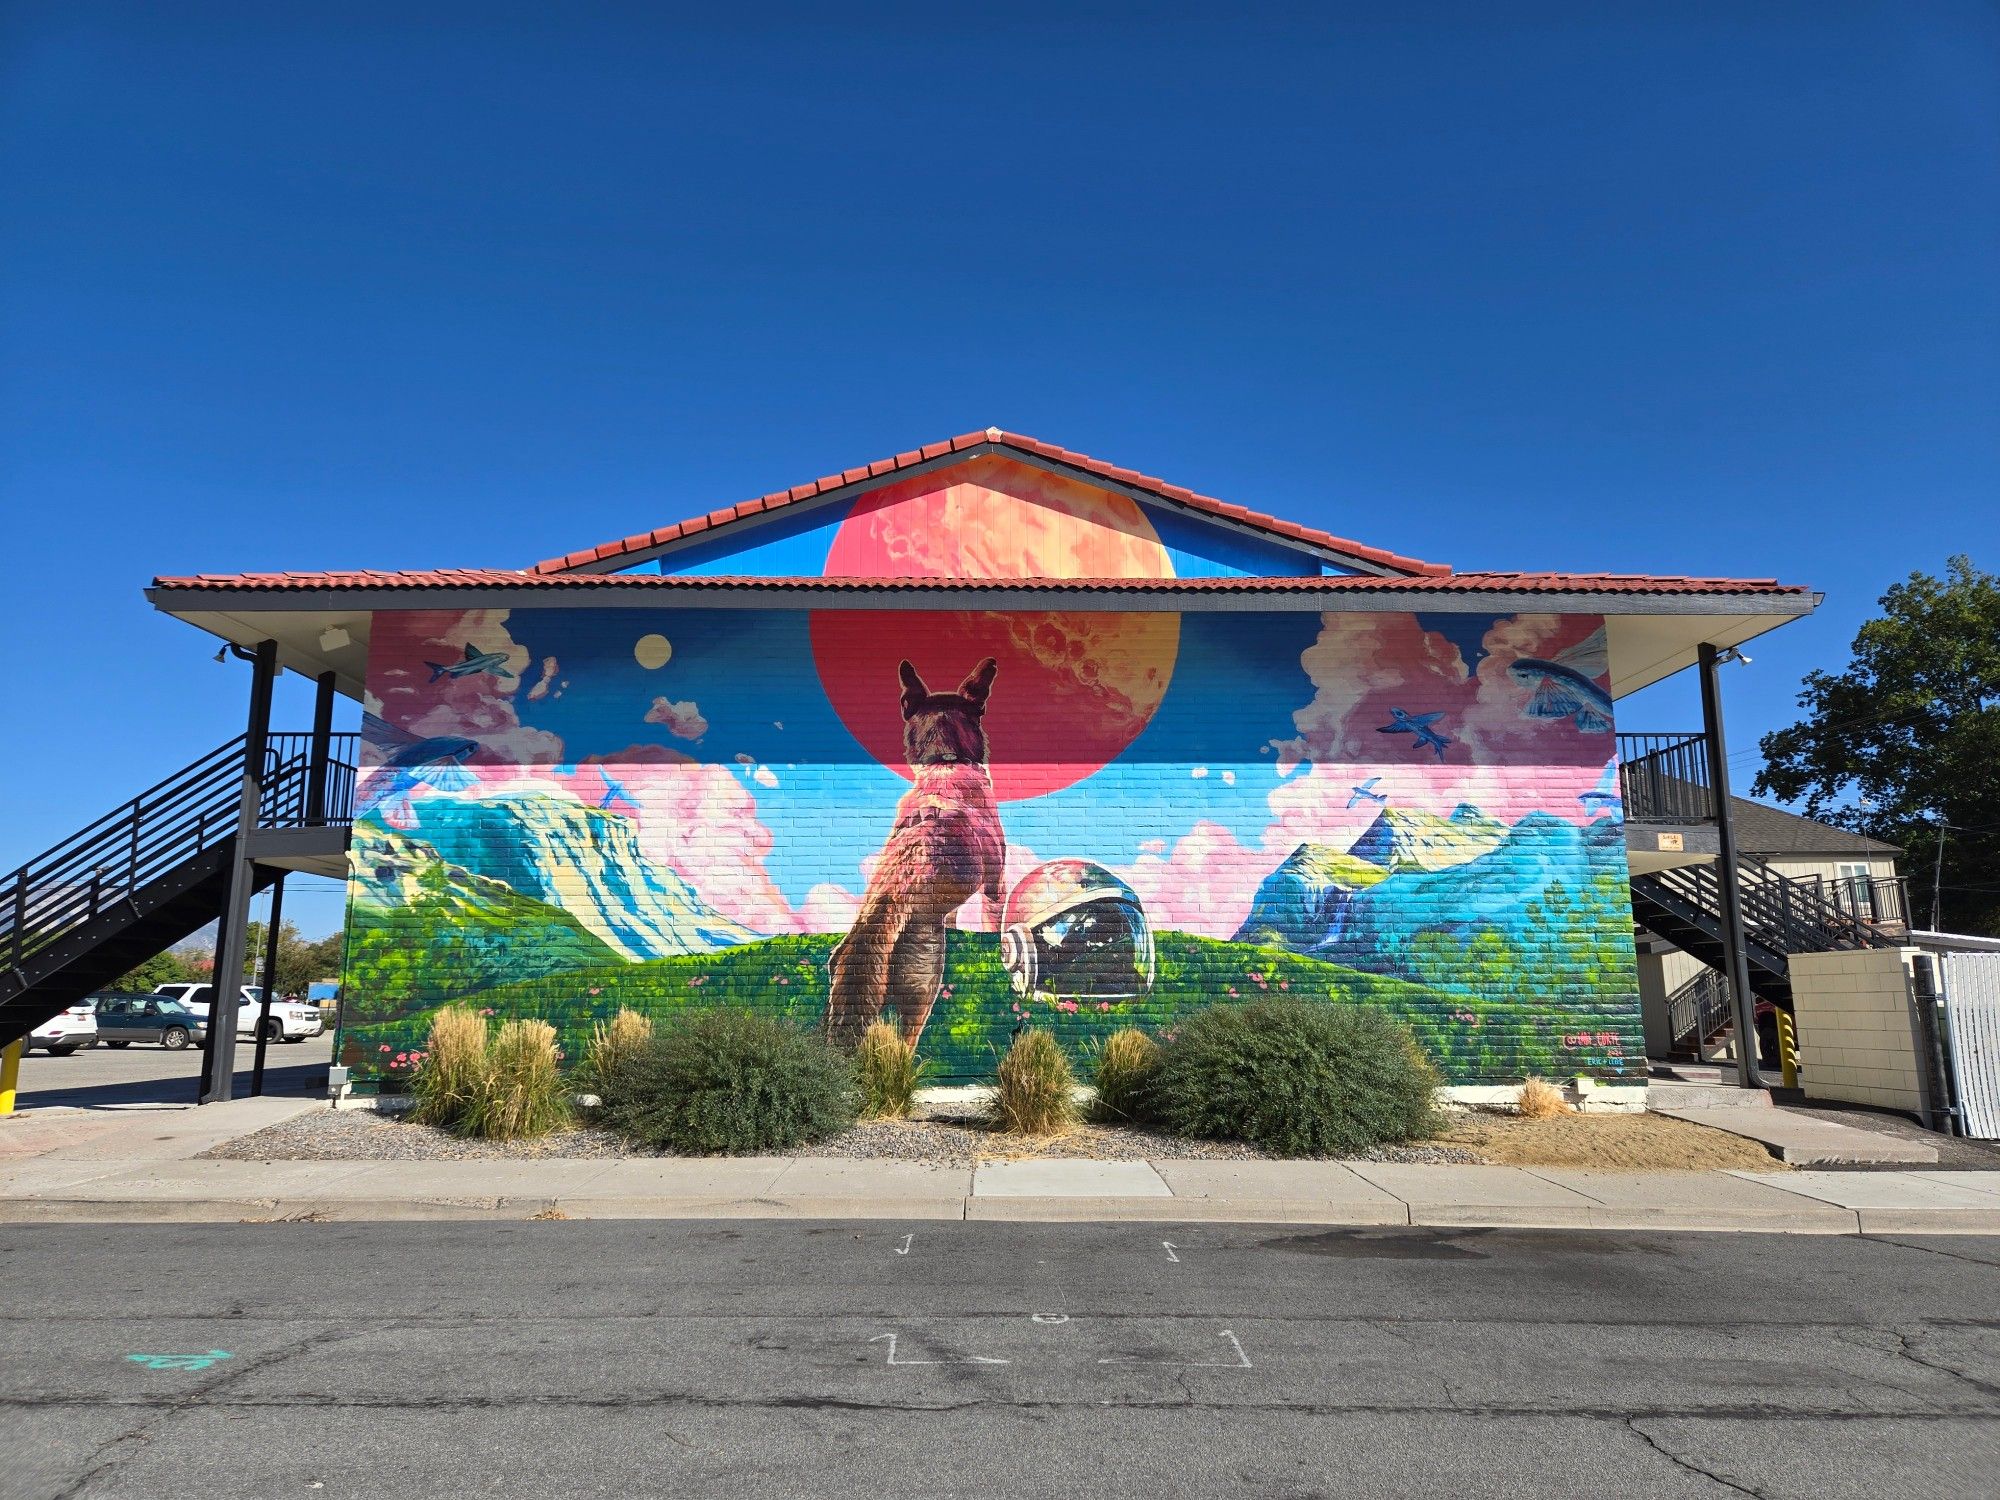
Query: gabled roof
639, 547
1416, 587
1774, 833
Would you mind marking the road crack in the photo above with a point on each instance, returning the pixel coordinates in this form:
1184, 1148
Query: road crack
1688, 1464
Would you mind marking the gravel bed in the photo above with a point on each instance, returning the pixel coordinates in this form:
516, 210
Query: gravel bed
945, 1139
363, 1135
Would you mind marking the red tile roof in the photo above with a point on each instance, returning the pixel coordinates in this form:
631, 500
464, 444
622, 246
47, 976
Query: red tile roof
992, 439
445, 579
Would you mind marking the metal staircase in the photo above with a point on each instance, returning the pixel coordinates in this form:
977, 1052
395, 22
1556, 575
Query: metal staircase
153, 871
1781, 916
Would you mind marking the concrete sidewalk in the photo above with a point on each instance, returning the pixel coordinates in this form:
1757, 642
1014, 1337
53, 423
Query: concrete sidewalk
62, 1166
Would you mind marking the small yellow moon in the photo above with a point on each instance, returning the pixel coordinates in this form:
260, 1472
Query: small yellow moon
653, 652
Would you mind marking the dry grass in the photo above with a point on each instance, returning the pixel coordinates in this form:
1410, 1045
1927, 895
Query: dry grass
524, 1093
1127, 1064
452, 1076
1639, 1143
888, 1071
1541, 1100
614, 1043
1035, 1094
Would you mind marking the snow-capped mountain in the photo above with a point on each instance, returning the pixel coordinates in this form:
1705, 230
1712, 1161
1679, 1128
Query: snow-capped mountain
583, 861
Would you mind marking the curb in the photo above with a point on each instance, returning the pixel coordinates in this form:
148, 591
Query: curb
1816, 1219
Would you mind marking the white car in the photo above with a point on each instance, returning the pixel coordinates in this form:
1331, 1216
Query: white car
290, 1021
65, 1032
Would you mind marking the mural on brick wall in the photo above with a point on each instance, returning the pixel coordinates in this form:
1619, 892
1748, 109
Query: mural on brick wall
962, 821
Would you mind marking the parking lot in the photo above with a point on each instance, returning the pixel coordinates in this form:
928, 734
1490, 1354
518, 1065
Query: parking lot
101, 1076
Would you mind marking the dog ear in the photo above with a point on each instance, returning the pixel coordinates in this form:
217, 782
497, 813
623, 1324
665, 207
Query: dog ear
914, 691
979, 683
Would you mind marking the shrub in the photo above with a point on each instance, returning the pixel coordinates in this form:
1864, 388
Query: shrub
1035, 1095
1296, 1078
724, 1081
524, 1092
452, 1076
888, 1071
612, 1044
1128, 1064
1541, 1100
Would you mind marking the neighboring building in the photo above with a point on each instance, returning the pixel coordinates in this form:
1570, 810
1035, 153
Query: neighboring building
1846, 871
986, 734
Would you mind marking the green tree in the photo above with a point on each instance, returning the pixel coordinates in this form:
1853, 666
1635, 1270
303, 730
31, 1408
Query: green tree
171, 967
1904, 745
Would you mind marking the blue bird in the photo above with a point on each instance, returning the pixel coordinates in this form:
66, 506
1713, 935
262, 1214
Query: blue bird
1418, 725
1365, 792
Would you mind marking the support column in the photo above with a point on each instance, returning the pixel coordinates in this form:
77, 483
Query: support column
322, 751
270, 981
219, 1074
1728, 874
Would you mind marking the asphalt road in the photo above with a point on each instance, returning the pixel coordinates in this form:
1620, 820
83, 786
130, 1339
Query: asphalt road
783, 1359
145, 1073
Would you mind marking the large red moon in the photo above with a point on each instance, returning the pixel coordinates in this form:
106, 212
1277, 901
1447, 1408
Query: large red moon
1075, 687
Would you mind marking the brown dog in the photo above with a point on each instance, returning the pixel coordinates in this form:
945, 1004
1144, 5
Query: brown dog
946, 846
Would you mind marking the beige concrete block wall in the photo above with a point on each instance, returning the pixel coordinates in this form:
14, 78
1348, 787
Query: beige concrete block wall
1853, 1014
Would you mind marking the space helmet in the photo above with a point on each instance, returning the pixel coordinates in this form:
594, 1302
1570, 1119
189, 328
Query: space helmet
1075, 931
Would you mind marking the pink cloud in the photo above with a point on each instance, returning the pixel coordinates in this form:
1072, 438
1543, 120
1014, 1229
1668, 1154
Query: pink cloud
478, 705
1205, 885
701, 822
828, 908
1364, 666
683, 719
1499, 758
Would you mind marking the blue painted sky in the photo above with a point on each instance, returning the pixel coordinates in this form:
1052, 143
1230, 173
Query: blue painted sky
1668, 288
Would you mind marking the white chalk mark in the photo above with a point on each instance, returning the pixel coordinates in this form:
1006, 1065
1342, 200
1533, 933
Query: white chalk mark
1241, 1362
959, 1359
1168, 1246
904, 1248
1049, 1317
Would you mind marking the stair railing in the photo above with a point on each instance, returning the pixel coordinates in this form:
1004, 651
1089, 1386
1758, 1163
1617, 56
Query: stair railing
145, 838
1698, 1011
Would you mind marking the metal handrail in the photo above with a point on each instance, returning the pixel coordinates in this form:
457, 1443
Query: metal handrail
1781, 914
1663, 778
146, 837
1699, 1009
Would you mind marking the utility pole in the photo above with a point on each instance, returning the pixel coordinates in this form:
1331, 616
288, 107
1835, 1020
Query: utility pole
1937, 874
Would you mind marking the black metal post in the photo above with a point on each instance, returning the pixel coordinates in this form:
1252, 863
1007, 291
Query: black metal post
1728, 877
274, 930
231, 935
322, 751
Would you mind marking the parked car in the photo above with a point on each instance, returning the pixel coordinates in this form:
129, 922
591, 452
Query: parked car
290, 1021
125, 1019
324, 993
64, 1033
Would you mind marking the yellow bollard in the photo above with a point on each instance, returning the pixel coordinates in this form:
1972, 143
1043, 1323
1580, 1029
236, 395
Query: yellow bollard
10, 1074
1788, 1048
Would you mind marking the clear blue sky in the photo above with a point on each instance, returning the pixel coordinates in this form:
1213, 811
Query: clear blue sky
1651, 288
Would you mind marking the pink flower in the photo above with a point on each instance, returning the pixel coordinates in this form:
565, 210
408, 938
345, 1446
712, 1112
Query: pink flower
1232, 989
384, 1047
1104, 1005
595, 990
1284, 984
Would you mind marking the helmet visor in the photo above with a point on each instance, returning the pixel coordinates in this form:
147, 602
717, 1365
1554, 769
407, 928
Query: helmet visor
1099, 950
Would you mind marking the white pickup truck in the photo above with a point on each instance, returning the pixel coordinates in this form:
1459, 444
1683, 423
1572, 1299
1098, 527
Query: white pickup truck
290, 1022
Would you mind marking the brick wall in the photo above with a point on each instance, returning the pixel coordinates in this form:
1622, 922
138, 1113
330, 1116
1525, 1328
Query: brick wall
1855, 1039
588, 830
